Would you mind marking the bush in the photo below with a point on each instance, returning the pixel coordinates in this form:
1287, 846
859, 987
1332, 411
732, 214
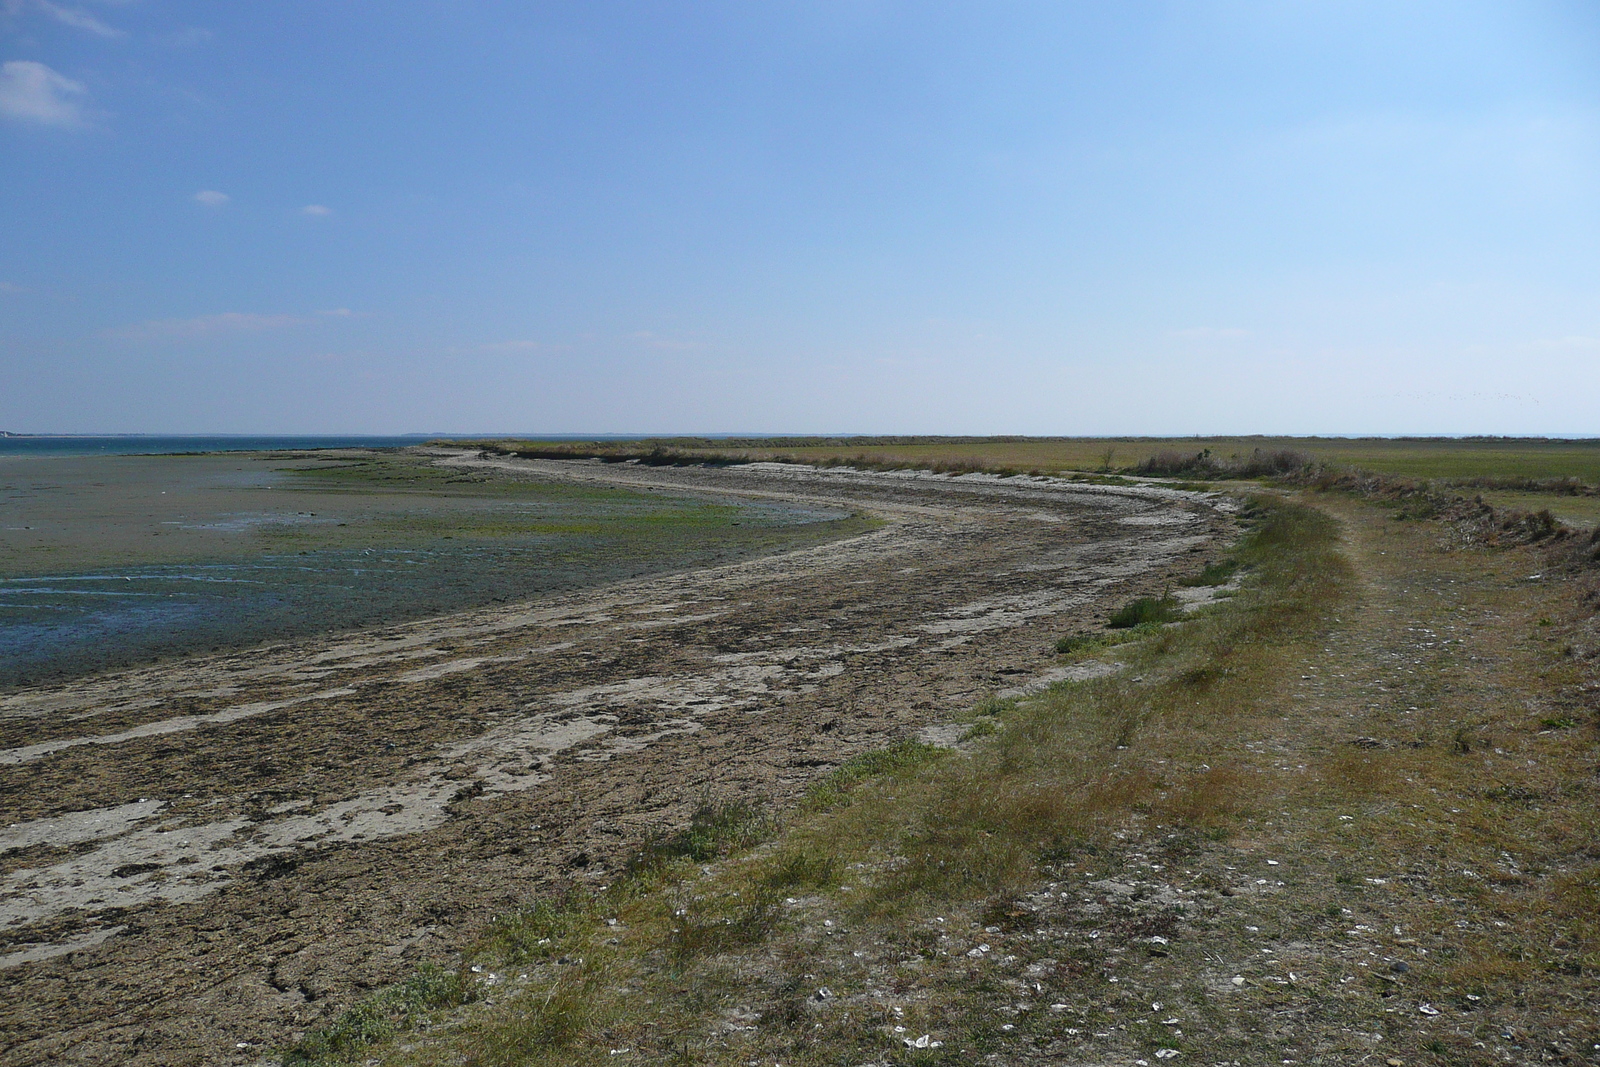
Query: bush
1257, 464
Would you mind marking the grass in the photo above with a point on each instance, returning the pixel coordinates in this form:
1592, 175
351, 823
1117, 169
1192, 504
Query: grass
1145, 611
1213, 574
393, 1010
1485, 462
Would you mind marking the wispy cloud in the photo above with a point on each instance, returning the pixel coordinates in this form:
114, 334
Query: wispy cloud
316, 210
228, 322
78, 20
211, 198
32, 92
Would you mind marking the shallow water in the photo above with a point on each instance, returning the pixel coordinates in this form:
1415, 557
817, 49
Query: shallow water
144, 572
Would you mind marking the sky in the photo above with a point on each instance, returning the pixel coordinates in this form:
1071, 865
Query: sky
830, 216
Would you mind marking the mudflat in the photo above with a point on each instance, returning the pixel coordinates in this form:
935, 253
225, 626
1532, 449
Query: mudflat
208, 855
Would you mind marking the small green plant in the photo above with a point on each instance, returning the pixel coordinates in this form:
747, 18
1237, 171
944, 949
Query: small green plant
1559, 722
1089, 642
834, 790
984, 727
1213, 574
1077, 643
803, 868
714, 829
380, 1016
1145, 610
536, 932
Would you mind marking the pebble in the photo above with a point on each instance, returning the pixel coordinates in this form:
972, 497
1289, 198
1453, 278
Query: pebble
1238, 980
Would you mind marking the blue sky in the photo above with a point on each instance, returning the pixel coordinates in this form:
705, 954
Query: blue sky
1053, 218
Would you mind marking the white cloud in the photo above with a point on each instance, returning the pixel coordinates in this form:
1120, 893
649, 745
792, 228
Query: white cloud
203, 326
78, 20
316, 210
211, 198
32, 92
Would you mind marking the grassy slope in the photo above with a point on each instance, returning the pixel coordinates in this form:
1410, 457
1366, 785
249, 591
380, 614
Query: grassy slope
1352, 815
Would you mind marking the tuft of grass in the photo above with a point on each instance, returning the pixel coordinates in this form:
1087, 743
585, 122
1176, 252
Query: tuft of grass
541, 1022
714, 830
835, 790
984, 727
1094, 641
539, 932
1145, 611
803, 869
1218, 573
381, 1016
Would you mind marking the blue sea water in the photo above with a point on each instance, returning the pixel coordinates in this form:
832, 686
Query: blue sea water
144, 445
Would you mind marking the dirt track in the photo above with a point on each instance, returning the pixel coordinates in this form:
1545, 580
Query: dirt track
206, 858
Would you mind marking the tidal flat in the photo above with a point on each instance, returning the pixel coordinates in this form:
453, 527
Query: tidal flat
114, 561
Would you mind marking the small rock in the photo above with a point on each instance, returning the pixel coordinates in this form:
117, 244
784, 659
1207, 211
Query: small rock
1238, 980
1400, 967
1167, 1053
824, 993
1427, 1009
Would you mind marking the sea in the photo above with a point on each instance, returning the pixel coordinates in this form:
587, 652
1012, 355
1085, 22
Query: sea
153, 445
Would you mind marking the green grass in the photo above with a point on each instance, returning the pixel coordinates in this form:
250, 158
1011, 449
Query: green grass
381, 1016
1219, 573
1454, 459
1146, 611
835, 790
